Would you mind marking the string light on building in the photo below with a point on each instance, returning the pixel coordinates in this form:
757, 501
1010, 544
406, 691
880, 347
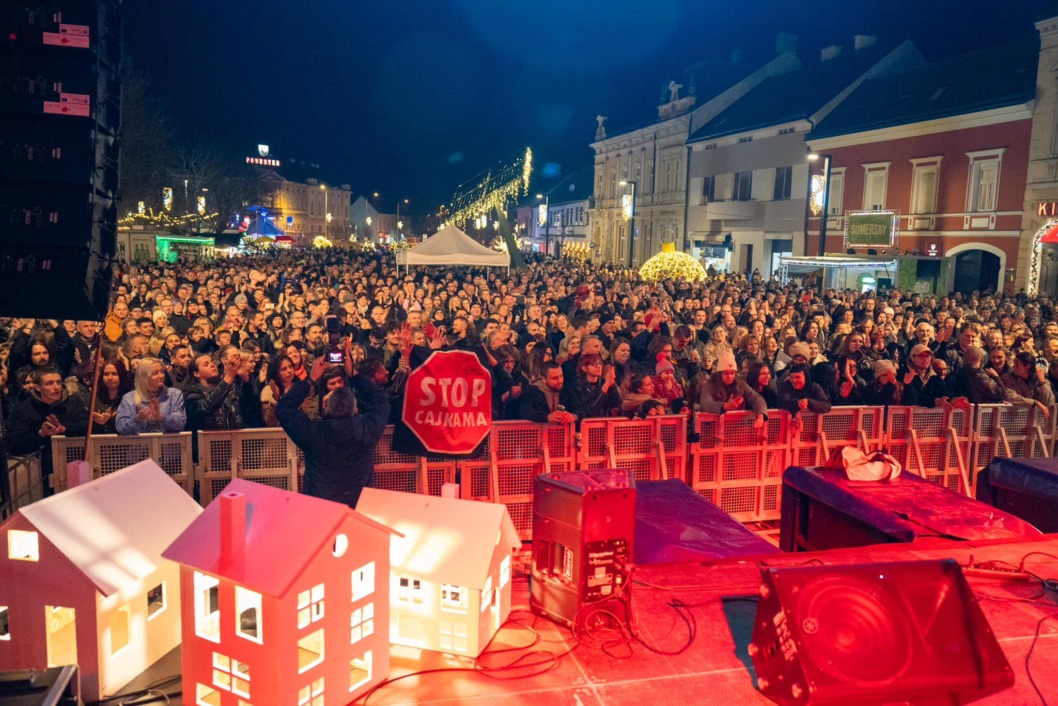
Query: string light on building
320, 242
669, 264
167, 198
201, 205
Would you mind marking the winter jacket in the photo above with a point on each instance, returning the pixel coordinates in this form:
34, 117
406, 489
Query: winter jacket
339, 451
170, 404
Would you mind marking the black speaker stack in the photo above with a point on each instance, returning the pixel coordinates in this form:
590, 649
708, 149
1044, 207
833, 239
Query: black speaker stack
60, 113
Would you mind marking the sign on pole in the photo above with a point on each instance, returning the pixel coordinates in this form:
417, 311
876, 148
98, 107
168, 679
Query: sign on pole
448, 403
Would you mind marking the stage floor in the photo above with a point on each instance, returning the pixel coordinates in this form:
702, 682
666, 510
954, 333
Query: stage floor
603, 668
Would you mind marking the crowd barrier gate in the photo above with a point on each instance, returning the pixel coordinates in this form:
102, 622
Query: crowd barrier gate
23, 482
733, 464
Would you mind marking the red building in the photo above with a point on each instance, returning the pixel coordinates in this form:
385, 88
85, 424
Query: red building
284, 600
945, 149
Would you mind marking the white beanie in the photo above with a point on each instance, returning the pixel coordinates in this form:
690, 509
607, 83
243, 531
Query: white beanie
726, 361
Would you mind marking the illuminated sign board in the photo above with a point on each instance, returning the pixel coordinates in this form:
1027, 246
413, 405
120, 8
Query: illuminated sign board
871, 229
262, 162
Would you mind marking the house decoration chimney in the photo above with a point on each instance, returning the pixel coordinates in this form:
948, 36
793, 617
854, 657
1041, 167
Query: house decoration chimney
232, 526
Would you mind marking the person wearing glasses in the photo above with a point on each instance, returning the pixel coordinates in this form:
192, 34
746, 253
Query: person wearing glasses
594, 392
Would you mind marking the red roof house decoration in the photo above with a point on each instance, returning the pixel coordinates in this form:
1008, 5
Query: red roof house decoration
450, 581
83, 581
280, 600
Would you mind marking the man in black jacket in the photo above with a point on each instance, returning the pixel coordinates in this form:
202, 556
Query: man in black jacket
339, 448
48, 411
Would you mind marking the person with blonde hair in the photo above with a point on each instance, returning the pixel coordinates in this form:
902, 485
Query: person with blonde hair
151, 406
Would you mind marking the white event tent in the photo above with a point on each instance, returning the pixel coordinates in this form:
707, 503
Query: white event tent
451, 246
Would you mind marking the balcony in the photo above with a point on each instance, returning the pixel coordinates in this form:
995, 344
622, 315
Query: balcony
733, 210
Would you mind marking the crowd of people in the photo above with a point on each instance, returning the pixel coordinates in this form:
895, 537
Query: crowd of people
268, 341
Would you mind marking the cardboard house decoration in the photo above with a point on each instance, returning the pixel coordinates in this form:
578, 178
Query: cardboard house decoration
450, 581
83, 581
282, 595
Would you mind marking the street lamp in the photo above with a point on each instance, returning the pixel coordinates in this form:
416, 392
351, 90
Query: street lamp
630, 216
825, 207
326, 212
544, 218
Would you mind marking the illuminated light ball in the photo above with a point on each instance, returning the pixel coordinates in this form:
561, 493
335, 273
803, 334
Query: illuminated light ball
669, 264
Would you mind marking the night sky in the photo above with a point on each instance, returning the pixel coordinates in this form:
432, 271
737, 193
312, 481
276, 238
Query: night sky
411, 98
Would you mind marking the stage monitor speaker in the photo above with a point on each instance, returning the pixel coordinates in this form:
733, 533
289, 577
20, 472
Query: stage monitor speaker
60, 107
873, 634
583, 527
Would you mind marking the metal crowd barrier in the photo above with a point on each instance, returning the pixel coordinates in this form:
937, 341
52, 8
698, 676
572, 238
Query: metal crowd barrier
733, 464
24, 483
111, 452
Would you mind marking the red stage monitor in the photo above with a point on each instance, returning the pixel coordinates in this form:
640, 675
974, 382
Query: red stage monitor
874, 634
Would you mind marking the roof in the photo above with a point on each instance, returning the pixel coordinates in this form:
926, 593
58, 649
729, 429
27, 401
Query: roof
792, 96
446, 538
284, 532
705, 79
115, 528
994, 77
451, 246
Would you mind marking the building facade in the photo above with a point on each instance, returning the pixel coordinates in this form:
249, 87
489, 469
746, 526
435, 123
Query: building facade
948, 163
640, 175
748, 183
1037, 263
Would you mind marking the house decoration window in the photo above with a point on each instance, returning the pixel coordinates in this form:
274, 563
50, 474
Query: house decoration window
310, 606
362, 623
311, 695
360, 671
206, 696
453, 598
505, 571
5, 623
486, 594
119, 622
23, 545
409, 590
231, 675
248, 614
310, 651
364, 581
156, 601
207, 607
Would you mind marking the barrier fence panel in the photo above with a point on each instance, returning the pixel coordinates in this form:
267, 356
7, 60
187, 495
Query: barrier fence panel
407, 473
1011, 430
266, 456
651, 449
934, 443
863, 427
24, 483
516, 453
739, 467
111, 452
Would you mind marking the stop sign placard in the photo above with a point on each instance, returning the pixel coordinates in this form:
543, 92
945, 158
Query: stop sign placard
448, 402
